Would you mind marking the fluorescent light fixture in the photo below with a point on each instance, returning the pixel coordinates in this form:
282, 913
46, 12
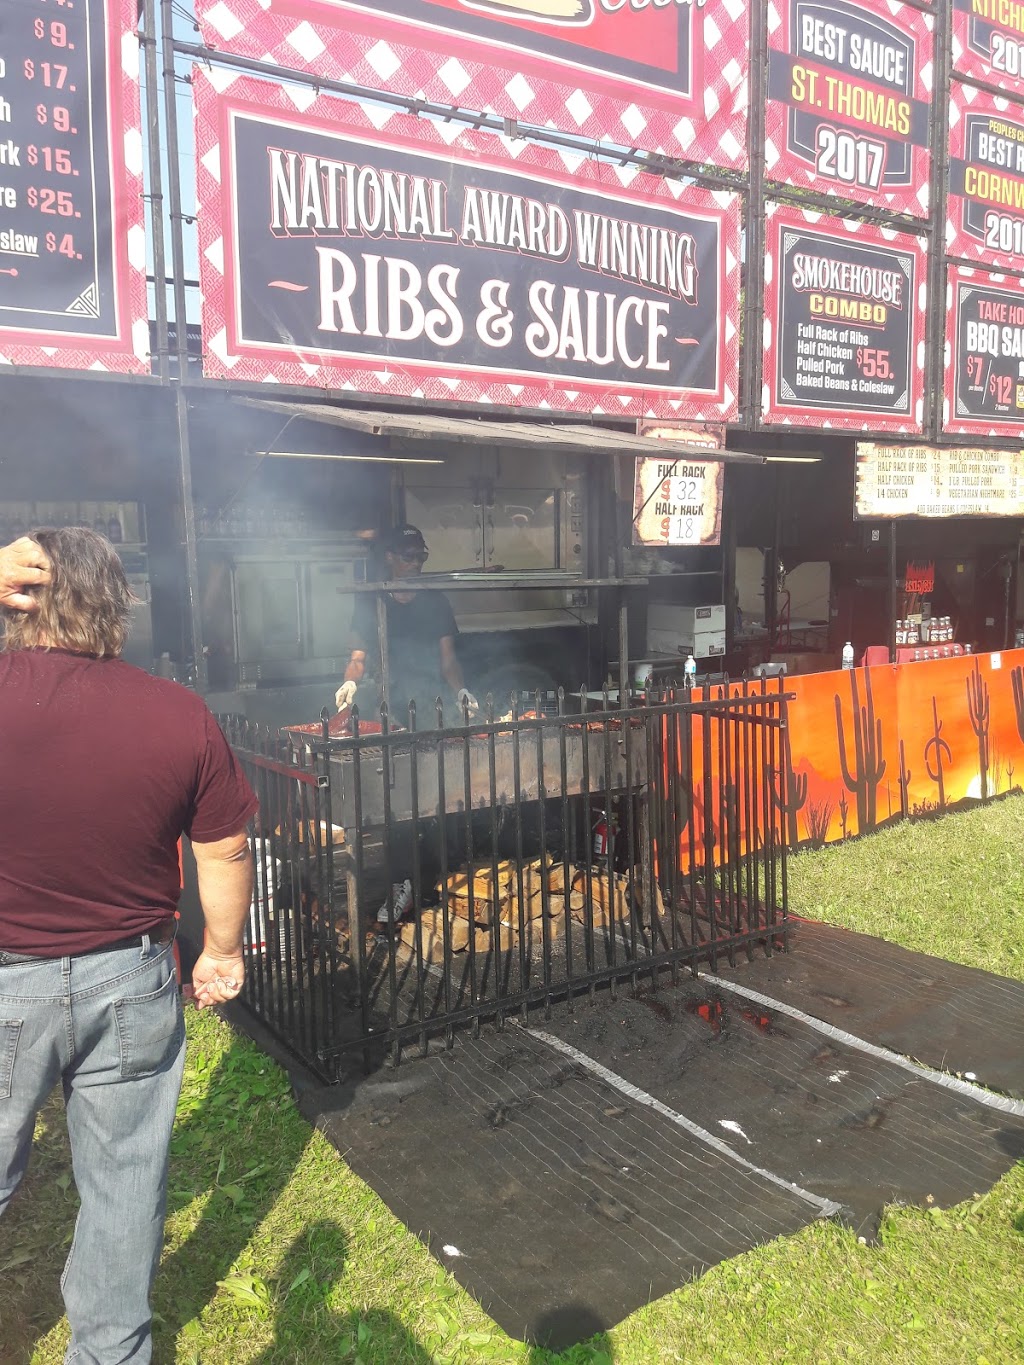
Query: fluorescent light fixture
793, 459
323, 455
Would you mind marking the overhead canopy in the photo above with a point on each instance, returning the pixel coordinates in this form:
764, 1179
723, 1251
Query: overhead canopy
416, 426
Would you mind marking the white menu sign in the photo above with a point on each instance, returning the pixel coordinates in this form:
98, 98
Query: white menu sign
926, 481
677, 502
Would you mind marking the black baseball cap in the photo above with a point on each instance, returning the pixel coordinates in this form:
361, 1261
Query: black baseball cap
405, 541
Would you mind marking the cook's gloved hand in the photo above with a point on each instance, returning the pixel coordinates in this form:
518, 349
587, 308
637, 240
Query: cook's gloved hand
345, 695
467, 701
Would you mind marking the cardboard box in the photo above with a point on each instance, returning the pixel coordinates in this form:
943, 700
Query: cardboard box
708, 644
672, 629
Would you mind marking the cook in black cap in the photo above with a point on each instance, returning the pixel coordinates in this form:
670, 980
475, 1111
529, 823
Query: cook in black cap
421, 637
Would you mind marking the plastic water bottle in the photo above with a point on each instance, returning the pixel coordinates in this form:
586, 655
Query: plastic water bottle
848, 655
690, 670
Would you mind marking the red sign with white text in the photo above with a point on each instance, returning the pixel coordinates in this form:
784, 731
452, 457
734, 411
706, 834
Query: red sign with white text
849, 100
666, 77
361, 248
988, 42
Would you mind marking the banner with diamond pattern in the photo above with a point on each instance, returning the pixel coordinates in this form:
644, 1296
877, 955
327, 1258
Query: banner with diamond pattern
985, 204
669, 78
350, 246
849, 100
72, 236
844, 324
984, 378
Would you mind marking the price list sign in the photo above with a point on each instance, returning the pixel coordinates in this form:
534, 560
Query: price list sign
925, 481
984, 353
844, 324
72, 244
849, 100
985, 216
677, 501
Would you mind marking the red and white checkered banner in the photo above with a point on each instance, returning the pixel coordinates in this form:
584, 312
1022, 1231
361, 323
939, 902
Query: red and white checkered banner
985, 204
669, 78
353, 247
844, 324
849, 100
72, 235
988, 42
984, 383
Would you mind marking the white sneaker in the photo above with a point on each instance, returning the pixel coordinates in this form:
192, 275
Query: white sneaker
401, 898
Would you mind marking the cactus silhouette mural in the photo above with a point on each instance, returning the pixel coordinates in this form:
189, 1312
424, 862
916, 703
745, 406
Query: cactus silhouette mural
1017, 684
980, 709
937, 746
869, 765
789, 795
905, 776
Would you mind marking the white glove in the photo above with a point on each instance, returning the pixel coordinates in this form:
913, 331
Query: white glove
466, 701
345, 695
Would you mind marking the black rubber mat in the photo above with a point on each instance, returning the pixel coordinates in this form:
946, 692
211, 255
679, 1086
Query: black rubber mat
569, 1173
561, 1203
954, 1018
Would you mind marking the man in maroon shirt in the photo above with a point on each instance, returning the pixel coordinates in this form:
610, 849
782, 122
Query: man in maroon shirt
106, 769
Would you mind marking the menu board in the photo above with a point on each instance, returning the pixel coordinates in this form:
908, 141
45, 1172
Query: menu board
988, 42
665, 76
844, 324
985, 213
926, 481
677, 501
849, 100
984, 383
72, 245
396, 259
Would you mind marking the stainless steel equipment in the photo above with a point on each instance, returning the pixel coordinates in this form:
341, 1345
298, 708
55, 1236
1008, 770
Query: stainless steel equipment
282, 613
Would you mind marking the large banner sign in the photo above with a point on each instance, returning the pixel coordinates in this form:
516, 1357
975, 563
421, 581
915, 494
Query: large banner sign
72, 244
667, 75
984, 388
844, 324
849, 97
403, 257
985, 215
988, 42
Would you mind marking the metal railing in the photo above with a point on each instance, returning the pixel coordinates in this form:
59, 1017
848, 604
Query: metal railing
411, 881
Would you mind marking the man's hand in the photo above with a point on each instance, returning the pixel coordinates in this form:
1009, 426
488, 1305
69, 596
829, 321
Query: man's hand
22, 565
345, 695
217, 977
467, 702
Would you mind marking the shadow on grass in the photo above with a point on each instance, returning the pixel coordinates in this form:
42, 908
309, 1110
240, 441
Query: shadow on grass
237, 1148
312, 1264
572, 1322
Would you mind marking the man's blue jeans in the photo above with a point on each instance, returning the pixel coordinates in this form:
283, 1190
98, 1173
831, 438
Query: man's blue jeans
109, 1026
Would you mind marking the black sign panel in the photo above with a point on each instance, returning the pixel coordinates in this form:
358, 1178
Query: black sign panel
57, 269
846, 322
988, 353
384, 253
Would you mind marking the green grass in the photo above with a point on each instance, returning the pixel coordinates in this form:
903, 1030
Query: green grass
278, 1254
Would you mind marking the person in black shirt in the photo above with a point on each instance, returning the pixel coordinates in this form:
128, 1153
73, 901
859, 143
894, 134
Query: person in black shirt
421, 639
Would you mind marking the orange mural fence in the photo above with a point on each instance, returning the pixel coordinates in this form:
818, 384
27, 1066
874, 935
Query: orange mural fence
866, 747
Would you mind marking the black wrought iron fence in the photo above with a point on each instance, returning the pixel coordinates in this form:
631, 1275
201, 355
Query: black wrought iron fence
410, 881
